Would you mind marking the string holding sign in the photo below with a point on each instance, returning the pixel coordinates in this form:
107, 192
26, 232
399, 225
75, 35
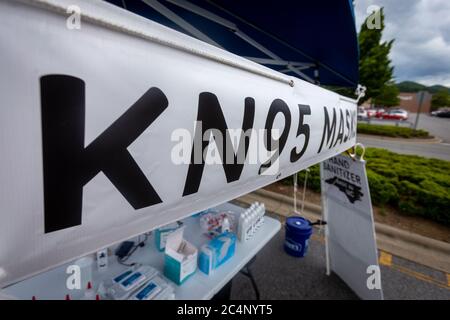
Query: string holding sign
303, 194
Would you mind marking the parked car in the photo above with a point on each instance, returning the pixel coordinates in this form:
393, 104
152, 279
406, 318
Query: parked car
375, 113
444, 114
362, 114
379, 113
371, 113
395, 114
437, 112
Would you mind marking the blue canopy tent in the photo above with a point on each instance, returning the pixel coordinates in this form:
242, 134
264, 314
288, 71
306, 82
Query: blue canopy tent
313, 40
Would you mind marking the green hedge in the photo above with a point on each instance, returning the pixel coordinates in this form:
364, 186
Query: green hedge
414, 185
391, 131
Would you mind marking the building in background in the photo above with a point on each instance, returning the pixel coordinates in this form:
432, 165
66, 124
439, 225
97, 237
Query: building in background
410, 101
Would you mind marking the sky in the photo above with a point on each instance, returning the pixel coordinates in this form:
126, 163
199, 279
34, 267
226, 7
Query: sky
421, 29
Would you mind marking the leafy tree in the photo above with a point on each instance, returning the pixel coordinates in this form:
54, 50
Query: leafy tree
388, 96
440, 99
375, 70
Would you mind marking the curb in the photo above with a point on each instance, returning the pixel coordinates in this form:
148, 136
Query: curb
405, 244
314, 208
406, 140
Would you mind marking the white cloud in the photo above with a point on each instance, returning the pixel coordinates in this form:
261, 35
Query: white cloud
421, 29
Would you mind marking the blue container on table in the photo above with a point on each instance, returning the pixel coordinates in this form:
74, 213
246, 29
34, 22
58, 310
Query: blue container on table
298, 232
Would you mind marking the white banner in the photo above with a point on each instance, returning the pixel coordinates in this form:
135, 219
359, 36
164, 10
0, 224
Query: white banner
93, 125
350, 236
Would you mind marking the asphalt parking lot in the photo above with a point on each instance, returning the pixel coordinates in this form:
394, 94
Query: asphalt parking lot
280, 276
438, 127
428, 150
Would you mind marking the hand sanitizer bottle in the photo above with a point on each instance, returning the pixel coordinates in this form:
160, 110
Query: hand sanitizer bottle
240, 234
253, 217
89, 293
263, 212
248, 228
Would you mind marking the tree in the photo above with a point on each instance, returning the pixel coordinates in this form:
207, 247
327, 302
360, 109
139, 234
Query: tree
375, 70
440, 99
388, 96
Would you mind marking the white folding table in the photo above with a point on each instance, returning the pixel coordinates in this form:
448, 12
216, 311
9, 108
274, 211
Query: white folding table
52, 284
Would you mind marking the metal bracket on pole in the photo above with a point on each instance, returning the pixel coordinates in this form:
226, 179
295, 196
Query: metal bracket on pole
316, 75
360, 92
354, 155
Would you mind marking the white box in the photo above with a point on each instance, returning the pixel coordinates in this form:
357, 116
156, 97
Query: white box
180, 258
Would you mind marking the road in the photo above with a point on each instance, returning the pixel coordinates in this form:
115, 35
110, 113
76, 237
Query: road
439, 127
280, 276
429, 150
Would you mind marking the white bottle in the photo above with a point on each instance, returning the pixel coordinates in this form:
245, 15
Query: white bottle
247, 228
254, 217
240, 228
261, 215
102, 260
263, 212
258, 219
244, 226
89, 293
255, 220
226, 226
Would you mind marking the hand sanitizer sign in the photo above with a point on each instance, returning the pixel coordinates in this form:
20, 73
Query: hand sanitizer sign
350, 232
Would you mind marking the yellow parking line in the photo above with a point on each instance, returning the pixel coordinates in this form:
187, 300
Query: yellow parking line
420, 276
385, 258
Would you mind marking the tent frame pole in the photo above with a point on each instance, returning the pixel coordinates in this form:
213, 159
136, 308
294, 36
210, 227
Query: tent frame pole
293, 67
172, 16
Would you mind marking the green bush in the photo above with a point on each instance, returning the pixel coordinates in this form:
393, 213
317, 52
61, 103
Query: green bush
382, 190
412, 184
391, 131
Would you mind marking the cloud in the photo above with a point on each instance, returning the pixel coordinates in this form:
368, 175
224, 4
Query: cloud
421, 29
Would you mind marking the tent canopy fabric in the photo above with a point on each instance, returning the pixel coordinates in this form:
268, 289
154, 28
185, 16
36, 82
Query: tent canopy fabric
314, 40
